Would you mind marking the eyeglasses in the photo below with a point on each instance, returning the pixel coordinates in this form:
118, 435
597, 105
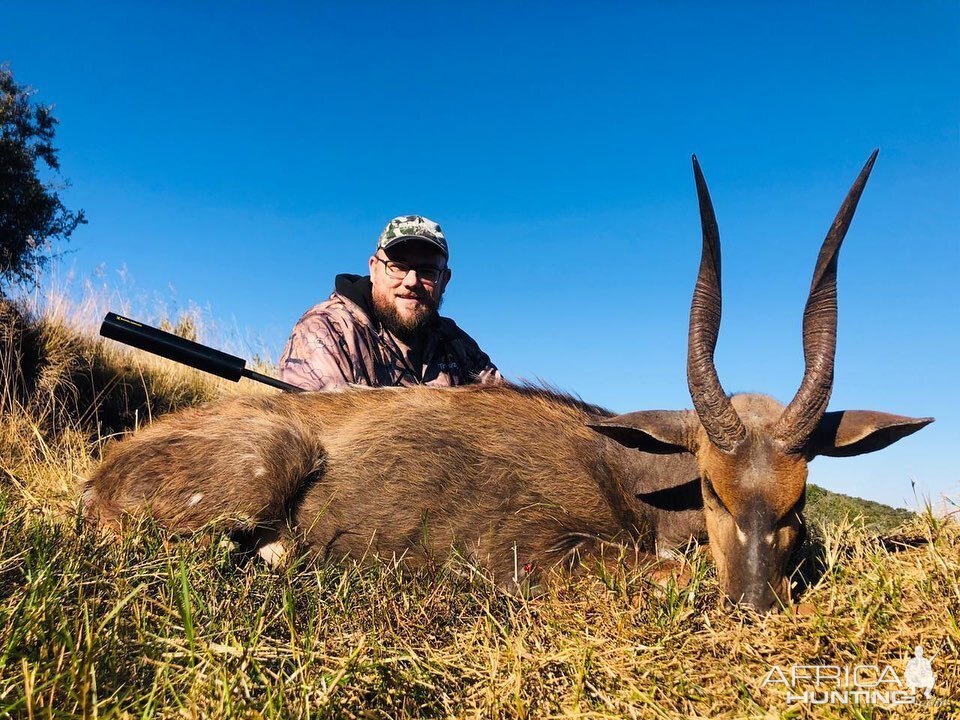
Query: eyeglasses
397, 270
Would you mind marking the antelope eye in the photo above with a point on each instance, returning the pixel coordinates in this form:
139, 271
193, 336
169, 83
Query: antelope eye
708, 486
710, 492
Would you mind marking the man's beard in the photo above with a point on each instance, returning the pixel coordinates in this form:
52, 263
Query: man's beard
407, 330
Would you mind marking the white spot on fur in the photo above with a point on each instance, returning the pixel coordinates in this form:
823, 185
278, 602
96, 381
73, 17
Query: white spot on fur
273, 553
194, 499
665, 552
741, 536
768, 538
259, 472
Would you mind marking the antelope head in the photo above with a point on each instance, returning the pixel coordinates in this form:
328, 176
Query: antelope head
752, 452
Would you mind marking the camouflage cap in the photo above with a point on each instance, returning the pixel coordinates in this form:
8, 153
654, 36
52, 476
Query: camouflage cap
413, 227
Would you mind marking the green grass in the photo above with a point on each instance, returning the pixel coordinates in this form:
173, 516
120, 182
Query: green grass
147, 627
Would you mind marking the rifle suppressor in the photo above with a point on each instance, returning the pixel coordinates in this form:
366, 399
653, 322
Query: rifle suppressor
170, 346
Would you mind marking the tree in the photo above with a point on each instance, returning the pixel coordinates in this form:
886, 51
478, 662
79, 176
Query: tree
31, 213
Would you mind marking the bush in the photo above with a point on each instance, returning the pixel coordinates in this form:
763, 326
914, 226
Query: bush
31, 212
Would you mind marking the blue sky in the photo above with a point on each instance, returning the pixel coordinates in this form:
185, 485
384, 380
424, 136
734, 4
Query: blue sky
238, 157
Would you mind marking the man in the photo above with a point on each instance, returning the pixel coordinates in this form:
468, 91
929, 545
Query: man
384, 329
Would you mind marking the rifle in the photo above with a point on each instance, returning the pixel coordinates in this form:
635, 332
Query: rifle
170, 346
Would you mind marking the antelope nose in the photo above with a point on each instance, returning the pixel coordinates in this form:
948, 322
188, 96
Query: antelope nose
761, 602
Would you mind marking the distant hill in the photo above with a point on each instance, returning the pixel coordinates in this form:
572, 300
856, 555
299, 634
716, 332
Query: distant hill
827, 507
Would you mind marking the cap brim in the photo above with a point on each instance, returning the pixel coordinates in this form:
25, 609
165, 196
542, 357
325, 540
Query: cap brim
421, 238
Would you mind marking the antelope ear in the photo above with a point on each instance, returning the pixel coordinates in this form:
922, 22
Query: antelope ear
854, 432
654, 431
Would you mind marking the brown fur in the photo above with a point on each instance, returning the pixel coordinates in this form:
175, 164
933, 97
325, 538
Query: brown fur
512, 478
780, 477
516, 480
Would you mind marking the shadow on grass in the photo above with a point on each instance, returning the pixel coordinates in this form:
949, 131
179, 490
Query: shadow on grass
64, 380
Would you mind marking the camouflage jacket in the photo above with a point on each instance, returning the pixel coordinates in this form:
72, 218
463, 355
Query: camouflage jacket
338, 342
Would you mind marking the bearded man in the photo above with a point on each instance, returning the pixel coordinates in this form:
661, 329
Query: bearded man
385, 328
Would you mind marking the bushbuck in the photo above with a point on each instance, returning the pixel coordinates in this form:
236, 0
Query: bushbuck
516, 479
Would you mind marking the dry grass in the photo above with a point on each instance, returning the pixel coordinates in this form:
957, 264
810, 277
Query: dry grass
147, 627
